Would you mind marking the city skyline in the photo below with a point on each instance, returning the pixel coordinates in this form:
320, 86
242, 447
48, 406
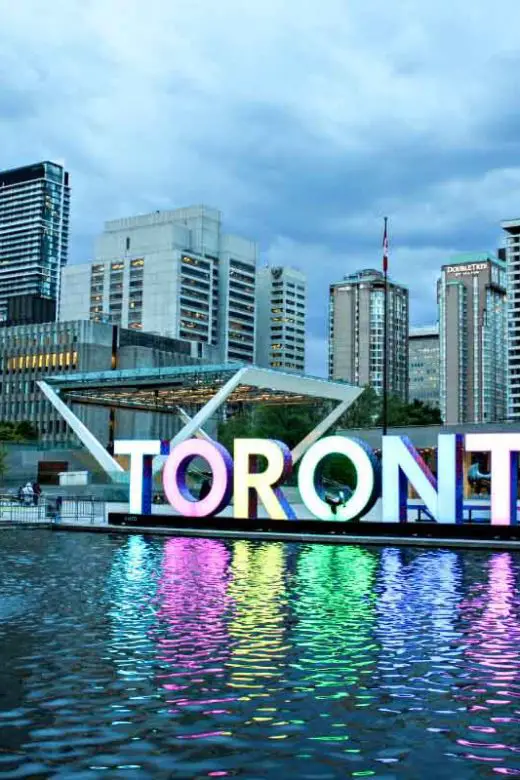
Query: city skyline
155, 114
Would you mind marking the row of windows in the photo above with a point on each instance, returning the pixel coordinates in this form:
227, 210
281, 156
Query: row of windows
46, 360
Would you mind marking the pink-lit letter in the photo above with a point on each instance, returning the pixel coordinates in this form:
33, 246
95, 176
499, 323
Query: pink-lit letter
504, 448
174, 478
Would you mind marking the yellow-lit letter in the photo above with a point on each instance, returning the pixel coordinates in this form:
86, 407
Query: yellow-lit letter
250, 485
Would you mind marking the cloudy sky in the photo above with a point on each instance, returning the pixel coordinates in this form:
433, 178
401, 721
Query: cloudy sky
305, 122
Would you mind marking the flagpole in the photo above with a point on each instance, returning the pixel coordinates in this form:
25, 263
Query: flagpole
385, 330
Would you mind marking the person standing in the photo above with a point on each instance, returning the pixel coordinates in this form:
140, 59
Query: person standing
37, 491
28, 494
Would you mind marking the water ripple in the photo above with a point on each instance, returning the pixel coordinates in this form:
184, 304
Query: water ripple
195, 658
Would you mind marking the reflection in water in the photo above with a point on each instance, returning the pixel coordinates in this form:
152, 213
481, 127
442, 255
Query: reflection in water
196, 658
258, 625
191, 634
491, 690
417, 627
333, 638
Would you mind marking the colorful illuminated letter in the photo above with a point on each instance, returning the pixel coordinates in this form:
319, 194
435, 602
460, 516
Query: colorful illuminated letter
251, 485
366, 491
402, 464
141, 456
504, 448
174, 478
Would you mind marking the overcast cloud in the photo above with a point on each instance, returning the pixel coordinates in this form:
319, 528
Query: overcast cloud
304, 122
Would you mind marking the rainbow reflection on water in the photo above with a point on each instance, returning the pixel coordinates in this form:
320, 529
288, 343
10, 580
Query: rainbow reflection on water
201, 658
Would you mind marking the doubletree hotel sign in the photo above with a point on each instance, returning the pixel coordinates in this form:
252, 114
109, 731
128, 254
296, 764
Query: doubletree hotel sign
239, 478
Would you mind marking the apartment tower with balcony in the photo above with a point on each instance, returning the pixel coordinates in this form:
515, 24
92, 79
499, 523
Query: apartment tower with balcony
356, 332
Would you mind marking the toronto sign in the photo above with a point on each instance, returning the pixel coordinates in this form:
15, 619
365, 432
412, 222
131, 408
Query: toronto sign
260, 467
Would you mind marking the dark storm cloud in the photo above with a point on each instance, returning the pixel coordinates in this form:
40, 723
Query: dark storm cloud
305, 123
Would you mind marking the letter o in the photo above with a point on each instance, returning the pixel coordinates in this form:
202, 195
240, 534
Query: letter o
175, 472
367, 468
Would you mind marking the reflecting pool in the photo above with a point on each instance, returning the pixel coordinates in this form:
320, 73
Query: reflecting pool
130, 656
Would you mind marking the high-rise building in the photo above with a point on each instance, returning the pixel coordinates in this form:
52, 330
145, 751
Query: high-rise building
356, 337
34, 234
172, 273
280, 320
511, 254
472, 339
424, 365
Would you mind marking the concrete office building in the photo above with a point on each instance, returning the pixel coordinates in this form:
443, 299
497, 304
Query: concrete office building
172, 273
356, 316
34, 234
511, 255
280, 320
32, 352
472, 339
424, 365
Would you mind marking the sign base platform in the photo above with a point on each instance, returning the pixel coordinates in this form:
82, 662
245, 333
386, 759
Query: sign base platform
295, 529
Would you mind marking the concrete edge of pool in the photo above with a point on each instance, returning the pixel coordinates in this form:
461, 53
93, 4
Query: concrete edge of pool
276, 536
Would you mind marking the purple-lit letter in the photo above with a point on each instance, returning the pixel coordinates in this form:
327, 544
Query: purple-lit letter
402, 464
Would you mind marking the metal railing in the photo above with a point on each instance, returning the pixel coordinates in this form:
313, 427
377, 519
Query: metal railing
79, 509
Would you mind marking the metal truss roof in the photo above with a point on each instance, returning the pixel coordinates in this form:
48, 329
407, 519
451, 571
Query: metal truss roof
168, 388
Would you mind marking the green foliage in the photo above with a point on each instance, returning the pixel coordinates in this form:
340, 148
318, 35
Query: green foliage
18, 431
289, 424
416, 413
240, 426
367, 412
364, 411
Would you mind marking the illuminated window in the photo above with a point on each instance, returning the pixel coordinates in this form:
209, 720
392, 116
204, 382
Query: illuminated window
117, 266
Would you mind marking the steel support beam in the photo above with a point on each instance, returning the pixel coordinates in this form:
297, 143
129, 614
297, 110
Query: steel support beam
195, 423
109, 465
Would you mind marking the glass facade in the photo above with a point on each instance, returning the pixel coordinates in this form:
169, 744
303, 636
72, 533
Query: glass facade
424, 365
34, 227
512, 253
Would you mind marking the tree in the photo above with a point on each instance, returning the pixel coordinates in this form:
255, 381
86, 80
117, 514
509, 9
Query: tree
26, 431
401, 414
18, 431
367, 412
364, 411
239, 426
287, 423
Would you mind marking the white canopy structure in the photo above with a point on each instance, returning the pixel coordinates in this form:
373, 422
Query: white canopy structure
202, 388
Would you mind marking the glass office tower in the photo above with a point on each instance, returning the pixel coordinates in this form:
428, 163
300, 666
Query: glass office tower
34, 233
